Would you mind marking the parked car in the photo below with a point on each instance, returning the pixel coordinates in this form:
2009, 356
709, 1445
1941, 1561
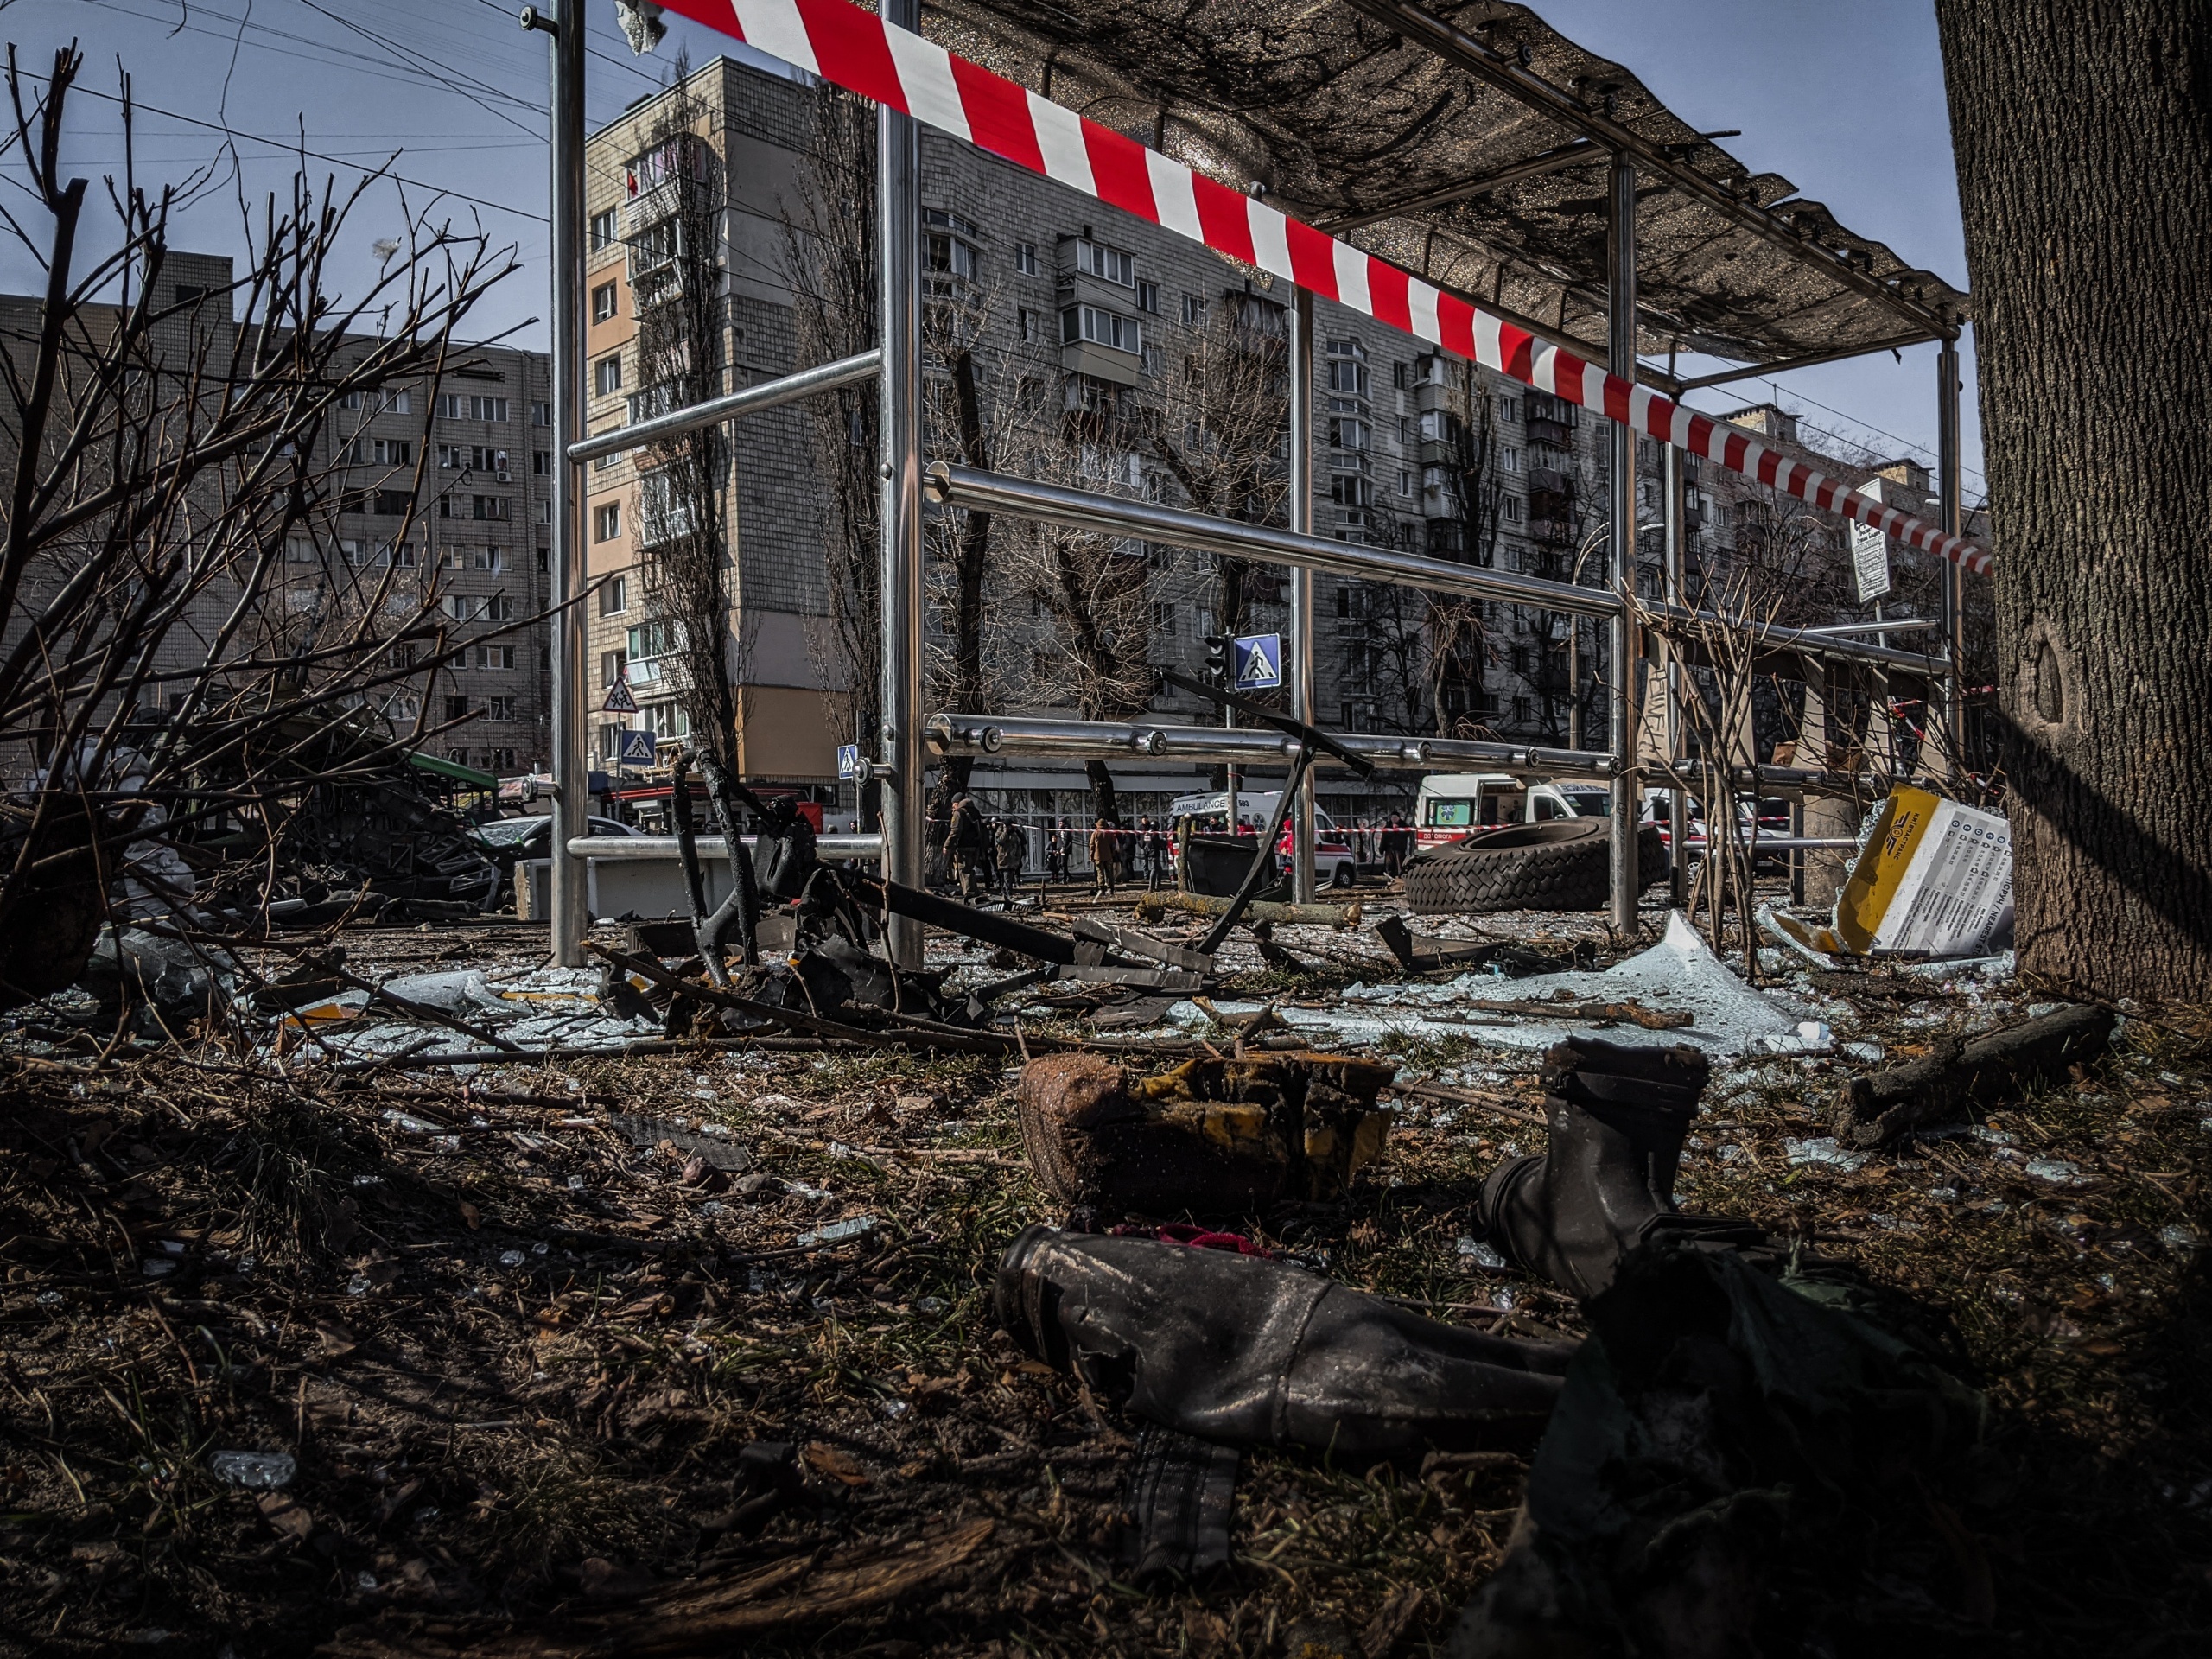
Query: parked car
1336, 864
516, 840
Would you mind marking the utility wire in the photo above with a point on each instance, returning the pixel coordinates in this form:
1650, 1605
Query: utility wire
294, 148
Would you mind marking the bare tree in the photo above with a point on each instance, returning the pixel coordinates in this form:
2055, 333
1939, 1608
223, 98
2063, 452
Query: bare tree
1213, 425
169, 541
829, 255
684, 480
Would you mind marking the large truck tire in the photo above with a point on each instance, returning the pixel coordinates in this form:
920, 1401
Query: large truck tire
1559, 865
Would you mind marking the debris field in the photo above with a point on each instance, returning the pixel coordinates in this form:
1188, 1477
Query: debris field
316, 1341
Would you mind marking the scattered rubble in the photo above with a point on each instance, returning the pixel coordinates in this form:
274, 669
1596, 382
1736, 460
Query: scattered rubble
616, 1307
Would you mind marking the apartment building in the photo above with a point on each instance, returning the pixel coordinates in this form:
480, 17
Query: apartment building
473, 542
1083, 323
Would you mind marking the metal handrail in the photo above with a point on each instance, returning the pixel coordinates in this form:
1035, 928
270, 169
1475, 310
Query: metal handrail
865, 365
625, 849
1114, 515
1091, 740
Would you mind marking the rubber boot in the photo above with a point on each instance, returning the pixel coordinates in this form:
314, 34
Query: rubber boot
1243, 1350
1617, 1117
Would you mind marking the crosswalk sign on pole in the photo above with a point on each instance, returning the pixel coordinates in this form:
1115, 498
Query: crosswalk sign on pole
618, 700
1259, 661
637, 749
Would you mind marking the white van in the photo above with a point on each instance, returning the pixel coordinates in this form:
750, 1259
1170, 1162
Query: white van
1335, 864
1451, 804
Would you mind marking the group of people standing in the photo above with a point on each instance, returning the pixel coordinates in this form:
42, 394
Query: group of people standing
990, 854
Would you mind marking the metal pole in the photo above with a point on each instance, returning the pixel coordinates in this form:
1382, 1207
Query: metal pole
1947, 507
771, 394
1620, 302
1676, 479
899, 215
1299, 668
571, 757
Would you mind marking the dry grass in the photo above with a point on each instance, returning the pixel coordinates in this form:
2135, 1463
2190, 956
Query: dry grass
482, 1440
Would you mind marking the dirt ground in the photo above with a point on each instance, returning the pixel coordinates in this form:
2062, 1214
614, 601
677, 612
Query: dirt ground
516, 1330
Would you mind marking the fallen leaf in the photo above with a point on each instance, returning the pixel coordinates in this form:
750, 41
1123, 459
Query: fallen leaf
472, 1215
826, 1459
288, 1517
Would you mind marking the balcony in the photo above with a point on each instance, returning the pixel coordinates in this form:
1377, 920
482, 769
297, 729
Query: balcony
1552, 532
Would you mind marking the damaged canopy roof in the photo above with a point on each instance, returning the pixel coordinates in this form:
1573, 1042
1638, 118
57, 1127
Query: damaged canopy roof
1383, 122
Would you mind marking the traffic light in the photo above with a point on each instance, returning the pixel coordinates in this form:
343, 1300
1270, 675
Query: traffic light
1217, 658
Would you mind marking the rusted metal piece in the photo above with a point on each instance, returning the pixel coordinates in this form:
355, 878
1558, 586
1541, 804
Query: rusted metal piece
1212, 1137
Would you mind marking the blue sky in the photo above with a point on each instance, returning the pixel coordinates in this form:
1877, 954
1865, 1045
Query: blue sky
1846, 101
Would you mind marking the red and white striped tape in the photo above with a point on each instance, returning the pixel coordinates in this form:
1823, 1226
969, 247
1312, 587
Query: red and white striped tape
858, 51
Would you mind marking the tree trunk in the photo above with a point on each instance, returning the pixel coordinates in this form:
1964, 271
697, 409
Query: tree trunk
2083, 135
1104, 805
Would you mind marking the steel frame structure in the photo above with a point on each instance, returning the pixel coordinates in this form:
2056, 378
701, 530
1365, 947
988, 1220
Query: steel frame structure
904, 736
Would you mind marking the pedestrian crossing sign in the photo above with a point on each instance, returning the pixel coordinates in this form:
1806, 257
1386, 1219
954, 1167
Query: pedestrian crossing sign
1259, 661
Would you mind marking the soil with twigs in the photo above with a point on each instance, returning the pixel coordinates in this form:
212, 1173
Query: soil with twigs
516, 1329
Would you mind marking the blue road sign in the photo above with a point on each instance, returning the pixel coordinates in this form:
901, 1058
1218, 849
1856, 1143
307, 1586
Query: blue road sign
1259, 661
637, 749
849, 759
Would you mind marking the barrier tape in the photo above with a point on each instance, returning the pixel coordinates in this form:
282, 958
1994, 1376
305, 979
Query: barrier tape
857, 50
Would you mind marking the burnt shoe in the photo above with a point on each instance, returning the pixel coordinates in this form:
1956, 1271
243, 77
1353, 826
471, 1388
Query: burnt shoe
1618, 1116
1243, 1350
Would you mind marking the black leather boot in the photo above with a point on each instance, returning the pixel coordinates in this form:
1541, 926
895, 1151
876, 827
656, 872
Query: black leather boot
1246, 1351
1618, 1116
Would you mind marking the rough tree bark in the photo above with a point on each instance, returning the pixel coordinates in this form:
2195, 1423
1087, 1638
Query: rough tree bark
2083, 137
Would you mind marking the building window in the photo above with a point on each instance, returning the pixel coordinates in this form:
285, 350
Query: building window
1163, 618
610, 741
1148, 297
606, 521
540, 462
453, 406
1107, 265
488, 508
497, 608
485, 558
950, 245
603, 229
606, 375
457, 708
498, 708
395, 452
1405, 482
1347, 432
495, 656
1032, 330
1402, 376
612, 599
602, 304
1195, 307
613, 666
1509, 461
1509, 408
1100, 327
541, 414
1025, 257
1511, 508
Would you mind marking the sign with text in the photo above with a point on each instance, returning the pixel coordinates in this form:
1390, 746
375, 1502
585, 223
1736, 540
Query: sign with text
1870, 558
1258, 662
